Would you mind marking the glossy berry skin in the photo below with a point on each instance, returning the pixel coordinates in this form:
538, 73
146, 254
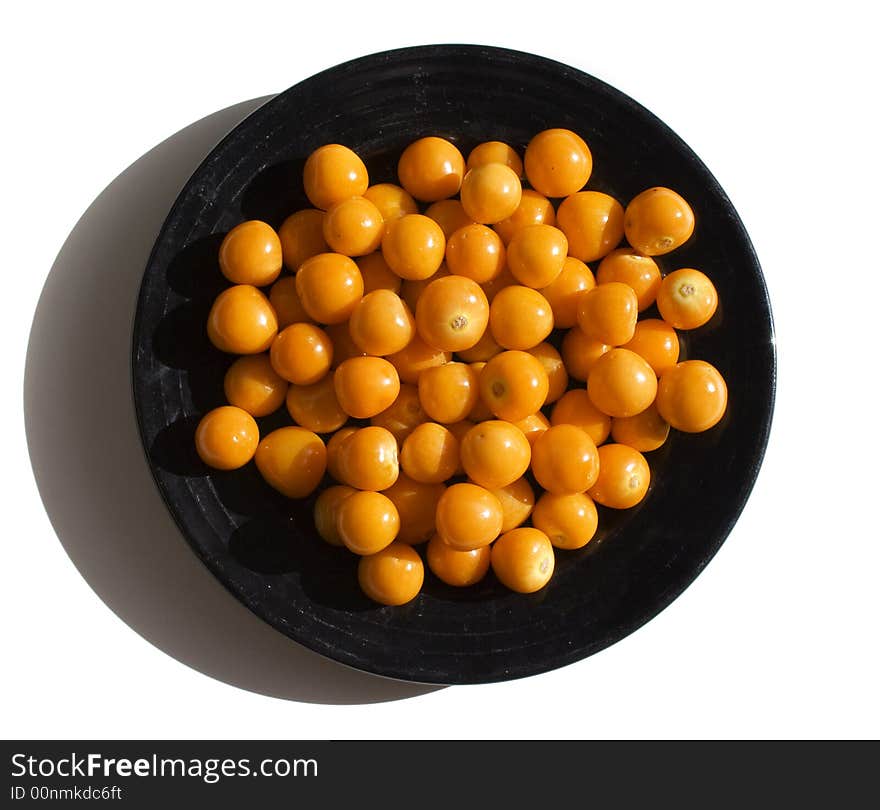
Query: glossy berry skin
411, 289
457, 568
624, 477
411, 361
494, 454
657, 342
226, 438
334, 443
353, 227
536, 255
621, 383
368, 459
251, 254
403, 415
285, 301
242, 321
687, 299
495, 152
301, 353
580, 353
533, 209
366, 386
563, 293
475, 252
329, 286
558, 162
468, 517
517, 500
449, 215
485, 349
417, 505
343, 346
452, 313
490, 193
557, 376
520, 317
392, 201
292, 460
381, 323
692, 396
565, 460
316, 406
302, 236
392, 576
570, 521
414, 246
608, 313
592, 222
431, 169
326, 510
646, 431
333, 173
367, 522
533, 426
629, 267
253, 385
514, 385
576, 408
430, 454
658, 221
377, 275
523, 560
448, 393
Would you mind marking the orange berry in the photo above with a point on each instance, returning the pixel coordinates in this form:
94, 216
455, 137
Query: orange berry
475, 252
452, 313
520, 317
517, 500
329, 286
381, 323
449, 215
514, 385
242, 321
592, 222
624, 476
333, 173
458, 429
468, 517
580, 353
480, 412
621, 383
563, 293
523, 560
430, 454
692, 396
377, 275
564, 460
333, 444
251, 254
302, 236
536, 255
315, 406
657, 221
557, 376
392, 576
608, 313
687, 299
431, 169
285, 301
484, 349
495, 152
292, 460
343, 346
657, 342
417, 356
227, 438
558, 162
392, 201
495, 453
646, 431
492, 288
367, 522
366, 386
628, 267
252, 385
416, 504
533, 209
326, 510
403, 415
368, 459
411, 289
533, 426
457, 568
353, 227
576, 408
570, 521
301, 353
490, 193
414, 246
448, 393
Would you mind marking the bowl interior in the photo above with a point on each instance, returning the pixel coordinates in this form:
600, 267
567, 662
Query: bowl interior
264, 548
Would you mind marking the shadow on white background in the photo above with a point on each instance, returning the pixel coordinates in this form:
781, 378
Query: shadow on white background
90, 466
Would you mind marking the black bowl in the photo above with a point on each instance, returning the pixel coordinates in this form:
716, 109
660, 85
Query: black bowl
264, 548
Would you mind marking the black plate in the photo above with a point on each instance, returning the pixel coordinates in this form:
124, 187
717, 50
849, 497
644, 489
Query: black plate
264, 548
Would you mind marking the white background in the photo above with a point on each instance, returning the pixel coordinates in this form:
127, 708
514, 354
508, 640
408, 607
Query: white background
777, 638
